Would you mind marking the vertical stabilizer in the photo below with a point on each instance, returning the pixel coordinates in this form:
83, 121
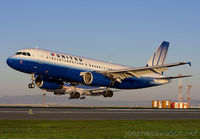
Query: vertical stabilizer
158, 58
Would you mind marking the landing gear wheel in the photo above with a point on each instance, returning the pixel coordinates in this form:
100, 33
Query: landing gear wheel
31, 85
77, 95
105, 93
72, 95
110, 93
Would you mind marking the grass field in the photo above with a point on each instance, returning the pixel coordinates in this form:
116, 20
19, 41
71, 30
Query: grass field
99, 129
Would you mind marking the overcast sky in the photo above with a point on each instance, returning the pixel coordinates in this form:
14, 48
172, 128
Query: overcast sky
126, 31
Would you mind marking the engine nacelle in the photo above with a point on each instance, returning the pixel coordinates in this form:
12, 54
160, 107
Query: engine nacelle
95, 79
87, 77
48, 85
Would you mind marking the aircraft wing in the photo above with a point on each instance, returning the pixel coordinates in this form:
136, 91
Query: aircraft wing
122, 74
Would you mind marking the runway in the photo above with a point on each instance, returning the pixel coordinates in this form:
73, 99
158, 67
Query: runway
69, 113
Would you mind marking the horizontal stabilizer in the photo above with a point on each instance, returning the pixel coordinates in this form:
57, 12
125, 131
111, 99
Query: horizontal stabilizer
175, 77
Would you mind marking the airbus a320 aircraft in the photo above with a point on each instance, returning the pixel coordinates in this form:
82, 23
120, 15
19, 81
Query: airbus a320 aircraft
62, 73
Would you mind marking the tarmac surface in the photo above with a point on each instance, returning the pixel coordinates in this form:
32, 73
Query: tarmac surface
73, 113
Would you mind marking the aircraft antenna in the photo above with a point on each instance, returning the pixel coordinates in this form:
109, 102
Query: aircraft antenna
36, 47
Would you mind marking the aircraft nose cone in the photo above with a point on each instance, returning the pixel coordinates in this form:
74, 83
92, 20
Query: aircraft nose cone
9, 61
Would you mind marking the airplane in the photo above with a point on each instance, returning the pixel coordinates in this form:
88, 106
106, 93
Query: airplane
78, 76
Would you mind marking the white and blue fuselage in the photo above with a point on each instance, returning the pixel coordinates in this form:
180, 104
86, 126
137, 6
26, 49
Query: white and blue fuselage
67, 68
51, 70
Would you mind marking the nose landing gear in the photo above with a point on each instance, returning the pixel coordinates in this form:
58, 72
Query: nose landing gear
32, 85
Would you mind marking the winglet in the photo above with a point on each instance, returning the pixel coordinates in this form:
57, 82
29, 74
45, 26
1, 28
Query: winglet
190, 64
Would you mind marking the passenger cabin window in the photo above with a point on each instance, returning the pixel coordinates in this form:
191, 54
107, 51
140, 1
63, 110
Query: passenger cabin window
58, 55
63, 56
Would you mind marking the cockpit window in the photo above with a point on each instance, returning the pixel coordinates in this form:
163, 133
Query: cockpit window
24, 53
28, 54
18, 53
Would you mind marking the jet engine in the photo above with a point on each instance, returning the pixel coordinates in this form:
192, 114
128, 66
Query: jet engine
48, 85
95, 79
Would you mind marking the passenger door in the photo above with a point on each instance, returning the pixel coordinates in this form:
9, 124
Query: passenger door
41, 58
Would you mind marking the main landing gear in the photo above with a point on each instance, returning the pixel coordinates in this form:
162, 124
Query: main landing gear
108, 93
32, 85
74, 95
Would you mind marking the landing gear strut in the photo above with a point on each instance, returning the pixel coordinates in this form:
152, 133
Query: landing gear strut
108, 93
32, 85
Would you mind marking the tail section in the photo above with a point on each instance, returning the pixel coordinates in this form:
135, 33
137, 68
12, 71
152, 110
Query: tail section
158, 58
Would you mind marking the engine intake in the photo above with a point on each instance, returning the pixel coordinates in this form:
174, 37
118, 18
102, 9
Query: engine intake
88, 78
49, 85
95, 79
